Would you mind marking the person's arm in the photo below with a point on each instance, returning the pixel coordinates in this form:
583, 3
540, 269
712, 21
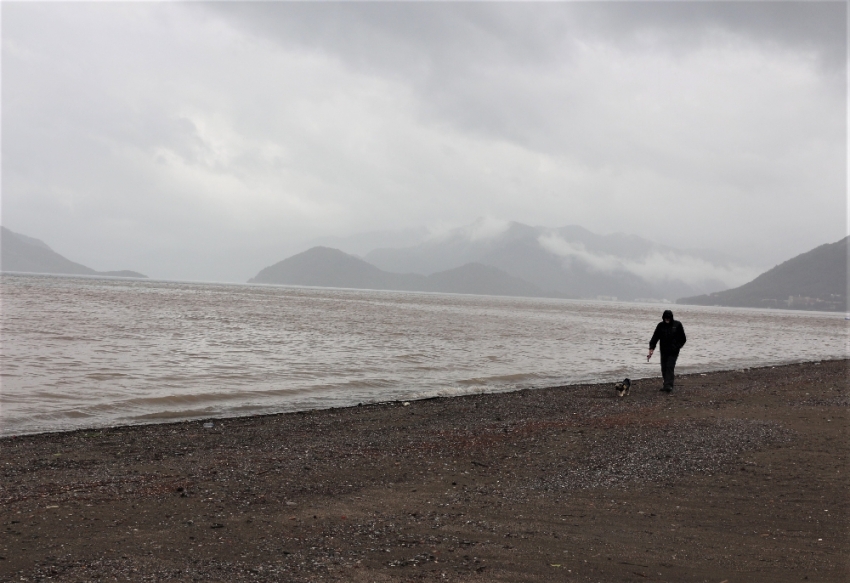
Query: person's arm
681, 336
655, 337
653, 341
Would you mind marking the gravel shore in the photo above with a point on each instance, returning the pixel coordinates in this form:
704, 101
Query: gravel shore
736, 476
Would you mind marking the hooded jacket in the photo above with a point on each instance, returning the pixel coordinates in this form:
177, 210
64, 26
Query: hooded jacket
672, 335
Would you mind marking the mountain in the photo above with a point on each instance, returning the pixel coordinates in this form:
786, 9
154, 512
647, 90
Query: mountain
570, 261
326, 267
815, 280
25, 254
361, 243
475, 278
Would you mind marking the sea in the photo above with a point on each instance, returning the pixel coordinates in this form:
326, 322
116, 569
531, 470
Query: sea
83, 352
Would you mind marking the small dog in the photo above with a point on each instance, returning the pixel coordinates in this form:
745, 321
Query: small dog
623, 388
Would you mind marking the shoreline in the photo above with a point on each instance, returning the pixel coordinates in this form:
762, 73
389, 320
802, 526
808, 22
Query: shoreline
196, 419
739, 475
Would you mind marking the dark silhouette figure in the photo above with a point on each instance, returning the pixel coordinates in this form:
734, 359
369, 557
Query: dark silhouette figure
671, 334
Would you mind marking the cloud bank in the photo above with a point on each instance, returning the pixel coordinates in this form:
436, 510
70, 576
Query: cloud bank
653, 267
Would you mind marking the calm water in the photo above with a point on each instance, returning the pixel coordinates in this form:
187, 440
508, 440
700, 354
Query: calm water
79, 352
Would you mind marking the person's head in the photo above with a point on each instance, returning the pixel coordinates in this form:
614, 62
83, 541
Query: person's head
667, 316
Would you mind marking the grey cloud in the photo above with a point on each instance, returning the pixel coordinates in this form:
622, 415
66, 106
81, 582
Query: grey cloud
518, 72
413, 39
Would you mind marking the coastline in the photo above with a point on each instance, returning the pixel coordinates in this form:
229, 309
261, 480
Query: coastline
177, 419
736, 476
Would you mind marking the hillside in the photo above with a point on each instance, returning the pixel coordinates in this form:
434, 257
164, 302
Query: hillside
475, 278
26, 254
326, 267
815, 280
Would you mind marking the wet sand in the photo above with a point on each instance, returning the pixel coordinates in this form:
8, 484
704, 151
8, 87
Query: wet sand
737, 476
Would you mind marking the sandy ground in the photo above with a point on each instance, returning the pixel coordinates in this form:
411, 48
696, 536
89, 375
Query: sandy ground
737, 476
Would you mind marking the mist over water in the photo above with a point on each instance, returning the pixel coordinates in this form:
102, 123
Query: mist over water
83, 352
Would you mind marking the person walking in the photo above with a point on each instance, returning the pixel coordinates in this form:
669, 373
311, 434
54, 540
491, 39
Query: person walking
671, 334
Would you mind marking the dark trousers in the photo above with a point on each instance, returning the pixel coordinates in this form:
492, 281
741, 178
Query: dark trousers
668, 365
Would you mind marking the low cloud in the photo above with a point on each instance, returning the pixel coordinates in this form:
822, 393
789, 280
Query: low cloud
486, 228
481, 229
658, 265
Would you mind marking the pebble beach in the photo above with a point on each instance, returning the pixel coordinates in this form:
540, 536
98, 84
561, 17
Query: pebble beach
737, 476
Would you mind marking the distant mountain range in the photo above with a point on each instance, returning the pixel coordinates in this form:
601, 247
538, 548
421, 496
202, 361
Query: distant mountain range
506, 258
491, 257
509, 258
25, 254
571, 261
326, 267
816, 280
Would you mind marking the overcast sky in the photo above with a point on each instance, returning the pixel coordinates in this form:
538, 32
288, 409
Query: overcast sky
206, 141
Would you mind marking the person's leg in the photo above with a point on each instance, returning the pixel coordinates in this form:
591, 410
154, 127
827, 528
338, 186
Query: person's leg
670, 377
664, 374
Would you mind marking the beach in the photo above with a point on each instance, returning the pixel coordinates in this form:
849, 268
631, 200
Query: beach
739, 475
